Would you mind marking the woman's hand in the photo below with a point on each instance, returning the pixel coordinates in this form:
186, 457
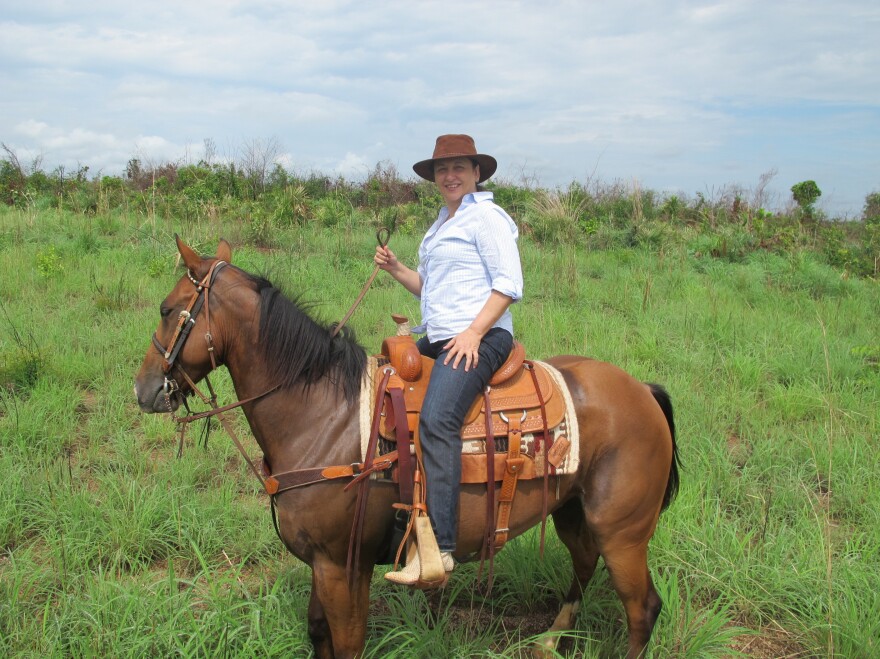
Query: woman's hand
467, 344
464, 346
385, 258
387, 261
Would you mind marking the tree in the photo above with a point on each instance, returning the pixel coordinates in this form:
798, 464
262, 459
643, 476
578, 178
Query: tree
257, 157
805, 194
871, 214
13, 177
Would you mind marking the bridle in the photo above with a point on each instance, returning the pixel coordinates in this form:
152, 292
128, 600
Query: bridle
185, 323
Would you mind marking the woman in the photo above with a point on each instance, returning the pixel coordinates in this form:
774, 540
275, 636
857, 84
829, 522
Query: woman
469, 274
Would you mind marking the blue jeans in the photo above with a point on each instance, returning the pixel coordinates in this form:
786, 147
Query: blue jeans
450, 394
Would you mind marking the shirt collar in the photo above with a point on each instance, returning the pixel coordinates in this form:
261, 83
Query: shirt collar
468, 199
477, 197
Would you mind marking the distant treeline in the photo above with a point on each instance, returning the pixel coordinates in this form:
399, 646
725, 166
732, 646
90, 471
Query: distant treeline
265, 196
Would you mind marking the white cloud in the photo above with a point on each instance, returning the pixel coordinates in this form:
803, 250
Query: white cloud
31, 128
353, 166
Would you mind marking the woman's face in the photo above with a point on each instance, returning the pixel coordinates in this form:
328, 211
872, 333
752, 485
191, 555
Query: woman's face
456, 177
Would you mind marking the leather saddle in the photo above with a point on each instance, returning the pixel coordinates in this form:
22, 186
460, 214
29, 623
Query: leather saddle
514, 392
522, 404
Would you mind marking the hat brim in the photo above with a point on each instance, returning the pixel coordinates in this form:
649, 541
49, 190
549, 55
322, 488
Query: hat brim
488, 165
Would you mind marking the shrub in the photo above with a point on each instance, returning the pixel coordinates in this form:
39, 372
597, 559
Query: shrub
49, 262
871, 213
555, 217
334, 211
384, 187
289, 206
515, 200
259, 226
22, 365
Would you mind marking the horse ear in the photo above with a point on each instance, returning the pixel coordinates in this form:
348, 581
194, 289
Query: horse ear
190, 258
224, 251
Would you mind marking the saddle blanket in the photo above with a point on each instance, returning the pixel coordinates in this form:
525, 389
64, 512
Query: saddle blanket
569, 427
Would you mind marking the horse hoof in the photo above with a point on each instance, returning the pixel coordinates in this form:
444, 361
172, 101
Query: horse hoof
544, 648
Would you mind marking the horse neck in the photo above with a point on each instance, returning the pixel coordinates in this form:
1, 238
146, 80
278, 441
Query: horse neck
296, 427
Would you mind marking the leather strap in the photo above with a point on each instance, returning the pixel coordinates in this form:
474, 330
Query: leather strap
360, 509
383, 235
219, 410
404, 459
548, 444
227, 427
354, 306
508, 485
188, 318
289, 480
488, 551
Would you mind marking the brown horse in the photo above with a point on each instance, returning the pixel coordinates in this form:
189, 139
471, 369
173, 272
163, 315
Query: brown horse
304, 414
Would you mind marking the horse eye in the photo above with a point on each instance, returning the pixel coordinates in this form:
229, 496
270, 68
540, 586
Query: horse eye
164, 311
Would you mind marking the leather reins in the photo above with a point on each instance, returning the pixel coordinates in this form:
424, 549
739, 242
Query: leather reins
273, 484
383, 235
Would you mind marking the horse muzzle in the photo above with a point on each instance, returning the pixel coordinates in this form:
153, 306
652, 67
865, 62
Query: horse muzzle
158, 398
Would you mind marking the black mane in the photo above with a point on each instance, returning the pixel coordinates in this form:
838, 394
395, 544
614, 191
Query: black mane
298, 350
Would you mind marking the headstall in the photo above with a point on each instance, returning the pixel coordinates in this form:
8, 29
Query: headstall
185, 323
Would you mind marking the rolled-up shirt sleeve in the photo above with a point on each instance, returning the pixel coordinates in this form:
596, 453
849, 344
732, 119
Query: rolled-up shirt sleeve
496, 242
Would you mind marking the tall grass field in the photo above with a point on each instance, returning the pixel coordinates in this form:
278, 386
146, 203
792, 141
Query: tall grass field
111, 546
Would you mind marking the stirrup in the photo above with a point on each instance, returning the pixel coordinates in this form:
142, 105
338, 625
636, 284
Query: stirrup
412, 575
425, 566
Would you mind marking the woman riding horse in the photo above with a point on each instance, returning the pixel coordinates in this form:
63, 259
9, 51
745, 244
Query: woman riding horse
469, 273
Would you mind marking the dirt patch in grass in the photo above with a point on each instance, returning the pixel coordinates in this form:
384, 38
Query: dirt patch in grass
764, 643
770, 643
739, 449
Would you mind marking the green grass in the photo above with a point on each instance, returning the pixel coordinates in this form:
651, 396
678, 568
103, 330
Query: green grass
110, 546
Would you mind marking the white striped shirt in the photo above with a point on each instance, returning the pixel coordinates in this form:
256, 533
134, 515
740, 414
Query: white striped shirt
462, 260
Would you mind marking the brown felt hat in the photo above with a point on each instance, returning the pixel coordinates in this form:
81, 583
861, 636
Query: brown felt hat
456, 146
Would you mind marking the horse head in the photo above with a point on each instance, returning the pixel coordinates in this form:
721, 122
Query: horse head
173, 361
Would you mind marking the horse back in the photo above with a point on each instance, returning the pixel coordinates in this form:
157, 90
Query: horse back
626, 439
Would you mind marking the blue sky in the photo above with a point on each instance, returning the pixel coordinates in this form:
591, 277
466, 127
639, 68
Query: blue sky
680, 97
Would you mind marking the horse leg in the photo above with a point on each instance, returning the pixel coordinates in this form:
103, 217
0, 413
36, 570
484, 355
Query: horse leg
319, 628
572, 529
343, 624
628, 567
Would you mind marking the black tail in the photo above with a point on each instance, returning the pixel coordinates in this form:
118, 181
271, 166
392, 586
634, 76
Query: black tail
665, 403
